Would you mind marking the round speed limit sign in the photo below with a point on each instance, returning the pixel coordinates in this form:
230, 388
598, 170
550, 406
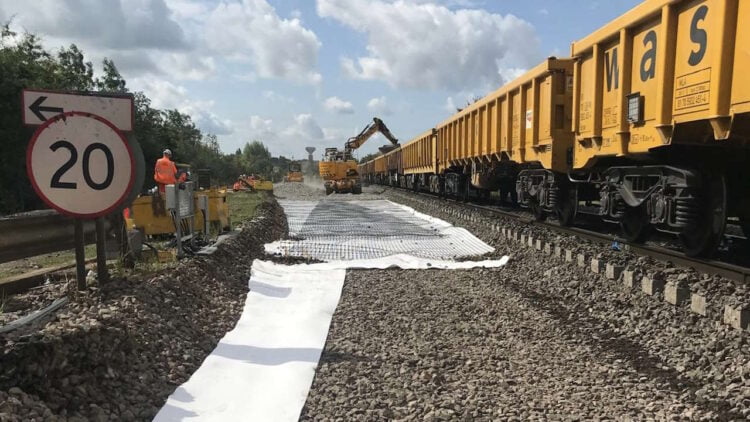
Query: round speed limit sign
80, 164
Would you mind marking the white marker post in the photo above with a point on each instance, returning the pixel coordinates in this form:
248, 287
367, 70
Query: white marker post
80, 163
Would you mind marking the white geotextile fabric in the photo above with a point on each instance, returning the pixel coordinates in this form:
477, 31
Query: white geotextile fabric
262, 370
347, 230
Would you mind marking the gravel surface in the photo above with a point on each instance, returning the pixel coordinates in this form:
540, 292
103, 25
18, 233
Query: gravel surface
314, 191
477, 345
117, 352
717, 290
537, 339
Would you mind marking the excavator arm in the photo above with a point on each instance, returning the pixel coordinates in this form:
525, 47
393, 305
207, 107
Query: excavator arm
377, 125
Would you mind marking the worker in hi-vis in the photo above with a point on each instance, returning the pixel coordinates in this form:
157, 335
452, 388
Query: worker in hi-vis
165, 172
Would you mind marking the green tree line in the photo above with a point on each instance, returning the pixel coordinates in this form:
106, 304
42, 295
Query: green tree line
24, 63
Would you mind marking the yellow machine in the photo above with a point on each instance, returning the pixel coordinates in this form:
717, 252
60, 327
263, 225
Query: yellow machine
148, 213
252, 183
258, 183
339, 175
295, 173
339, 170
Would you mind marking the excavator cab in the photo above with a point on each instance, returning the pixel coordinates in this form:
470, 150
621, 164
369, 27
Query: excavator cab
294, 174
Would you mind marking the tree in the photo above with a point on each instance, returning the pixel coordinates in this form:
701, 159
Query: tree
111, 81
73, 72
24, 64
257, 159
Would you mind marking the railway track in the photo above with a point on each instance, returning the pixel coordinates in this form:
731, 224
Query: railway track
727, 270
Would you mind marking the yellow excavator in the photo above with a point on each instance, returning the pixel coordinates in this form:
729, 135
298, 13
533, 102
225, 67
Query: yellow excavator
339, 170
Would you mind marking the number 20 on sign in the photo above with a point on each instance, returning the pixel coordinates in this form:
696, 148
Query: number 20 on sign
80, 164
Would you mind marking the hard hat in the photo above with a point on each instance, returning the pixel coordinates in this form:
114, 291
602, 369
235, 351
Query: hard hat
167, 152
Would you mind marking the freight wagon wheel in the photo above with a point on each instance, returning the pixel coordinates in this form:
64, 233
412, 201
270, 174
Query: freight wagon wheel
539, 213
487, 196
703, 237
635, 225
745, 225
567, 206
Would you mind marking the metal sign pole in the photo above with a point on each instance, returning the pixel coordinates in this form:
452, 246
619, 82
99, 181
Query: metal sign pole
101, 253
80, 254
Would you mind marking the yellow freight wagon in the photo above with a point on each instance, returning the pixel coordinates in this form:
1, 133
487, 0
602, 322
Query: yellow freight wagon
366, 172
647, 125
418, 159
394, 168
661, 119
524, 123
374, 171
666, 72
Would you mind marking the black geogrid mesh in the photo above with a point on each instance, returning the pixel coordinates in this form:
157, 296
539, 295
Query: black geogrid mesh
338, 230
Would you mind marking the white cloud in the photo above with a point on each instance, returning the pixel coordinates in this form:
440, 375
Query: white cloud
337, 105
305, 128
276, 97
379, 105
285, 137
544, 12
261, 129
113, 24
450, 105
209, 122
251, 30
335, 136
184, 39
142, 37
188, 67
166, 95
187, 9
430, 46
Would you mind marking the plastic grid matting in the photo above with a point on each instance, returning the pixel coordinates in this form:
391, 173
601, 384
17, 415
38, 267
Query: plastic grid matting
347, 230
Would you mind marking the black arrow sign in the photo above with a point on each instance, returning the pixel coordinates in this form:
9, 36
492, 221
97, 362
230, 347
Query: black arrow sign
37, 108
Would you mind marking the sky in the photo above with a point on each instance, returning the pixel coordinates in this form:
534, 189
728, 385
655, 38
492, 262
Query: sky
297, 73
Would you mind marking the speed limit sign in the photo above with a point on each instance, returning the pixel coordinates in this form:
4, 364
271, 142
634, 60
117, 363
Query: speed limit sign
80, 164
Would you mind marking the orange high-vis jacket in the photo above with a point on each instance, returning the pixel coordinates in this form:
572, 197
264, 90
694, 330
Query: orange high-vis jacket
165, 172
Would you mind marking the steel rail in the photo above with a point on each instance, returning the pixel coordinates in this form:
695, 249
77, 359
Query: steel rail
730, 271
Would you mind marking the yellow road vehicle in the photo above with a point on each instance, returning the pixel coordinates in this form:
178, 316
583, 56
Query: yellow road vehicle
295, 173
